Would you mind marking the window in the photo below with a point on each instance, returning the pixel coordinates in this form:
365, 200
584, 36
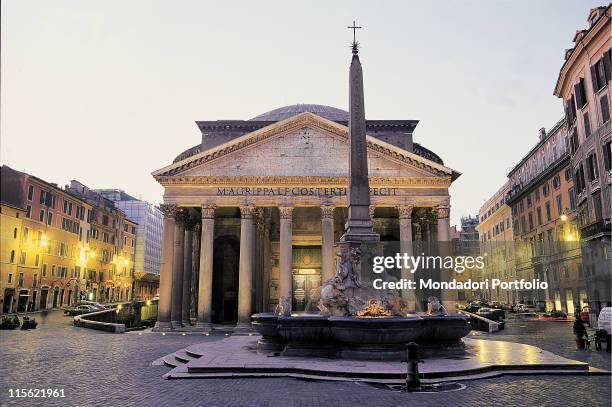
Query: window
30, 192
559, 205
530, 220
28, 211
587, 124
44, 270
43, 197
546, 189
597, 206
548, 212
53, 270
572, 198
605, 108
574, 144
592, 167
35, 281
12, 257
580, 94
26, 232
41, 215
539, 214
537, 195
556, 182
49, 218
36, 260
568, 174
529, 201
600, 74
607, 153
22, 258
10, 277
15, 233
580, 183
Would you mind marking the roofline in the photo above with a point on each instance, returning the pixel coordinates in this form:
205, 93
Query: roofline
454, 174
526, 157
580, 46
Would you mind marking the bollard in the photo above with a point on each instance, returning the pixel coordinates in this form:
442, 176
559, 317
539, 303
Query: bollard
413, 382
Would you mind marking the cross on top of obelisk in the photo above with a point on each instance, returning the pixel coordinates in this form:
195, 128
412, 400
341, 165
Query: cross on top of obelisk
355, 44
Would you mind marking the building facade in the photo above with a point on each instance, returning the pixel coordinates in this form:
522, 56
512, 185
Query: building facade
584, 85
271, 196
543, 205
147, 253
49, 269
111, 247
497, 245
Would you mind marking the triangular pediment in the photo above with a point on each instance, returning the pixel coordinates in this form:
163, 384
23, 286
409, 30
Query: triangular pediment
302, 145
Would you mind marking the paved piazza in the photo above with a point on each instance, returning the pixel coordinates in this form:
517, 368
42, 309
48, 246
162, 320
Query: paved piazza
96, 368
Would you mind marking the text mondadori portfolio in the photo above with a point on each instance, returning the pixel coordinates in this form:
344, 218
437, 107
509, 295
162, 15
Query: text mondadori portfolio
457, 264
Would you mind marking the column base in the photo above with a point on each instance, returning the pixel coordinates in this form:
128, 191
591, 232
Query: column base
176, 324
162, 327
243, 328
203, 327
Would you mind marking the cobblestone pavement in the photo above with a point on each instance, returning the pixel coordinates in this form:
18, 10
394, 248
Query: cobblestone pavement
101, 369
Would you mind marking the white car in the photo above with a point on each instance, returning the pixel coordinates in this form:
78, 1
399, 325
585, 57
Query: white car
605, 320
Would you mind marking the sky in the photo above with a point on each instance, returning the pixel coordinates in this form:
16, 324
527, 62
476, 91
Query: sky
106, 92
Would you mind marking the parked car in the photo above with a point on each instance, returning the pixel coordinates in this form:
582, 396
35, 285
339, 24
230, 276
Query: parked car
473, 306
80, 310
553, 316
10, 323
520, 308
28, 323
604, 320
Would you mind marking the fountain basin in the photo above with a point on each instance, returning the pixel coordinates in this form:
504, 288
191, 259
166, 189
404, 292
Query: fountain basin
360, 338
267, 325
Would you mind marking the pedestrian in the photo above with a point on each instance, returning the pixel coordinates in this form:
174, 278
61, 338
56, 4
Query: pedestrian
580, 332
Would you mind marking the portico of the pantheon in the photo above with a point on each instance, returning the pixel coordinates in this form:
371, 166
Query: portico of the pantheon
253, 211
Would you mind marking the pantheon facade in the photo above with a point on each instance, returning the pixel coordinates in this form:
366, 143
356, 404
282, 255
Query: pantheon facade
252, 213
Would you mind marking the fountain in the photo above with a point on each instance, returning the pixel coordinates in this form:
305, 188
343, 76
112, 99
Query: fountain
352, 322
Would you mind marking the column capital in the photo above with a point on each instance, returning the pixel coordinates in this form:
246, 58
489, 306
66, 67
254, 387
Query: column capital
443, 211
168, 210
285, 212
247, 212
327, 212
181, 217
208, 211
192, 217
405, 211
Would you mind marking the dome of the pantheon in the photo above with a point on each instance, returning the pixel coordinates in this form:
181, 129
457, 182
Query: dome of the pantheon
327, 112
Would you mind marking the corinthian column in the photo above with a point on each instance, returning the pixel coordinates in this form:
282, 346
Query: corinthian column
206, 268
190, 223
327, 243
177, 271
165, 271
286, 254
405, 221
449, 297
245, 274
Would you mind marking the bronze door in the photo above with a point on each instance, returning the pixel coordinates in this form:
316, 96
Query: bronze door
306, 291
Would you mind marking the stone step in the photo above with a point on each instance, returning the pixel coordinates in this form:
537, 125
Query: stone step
183, 356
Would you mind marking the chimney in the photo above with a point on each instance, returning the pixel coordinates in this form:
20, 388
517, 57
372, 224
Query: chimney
542, 133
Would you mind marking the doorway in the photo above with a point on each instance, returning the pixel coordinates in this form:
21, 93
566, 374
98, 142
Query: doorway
9, 295
306, 290
226, 255
22, 302
44, 293
55, 297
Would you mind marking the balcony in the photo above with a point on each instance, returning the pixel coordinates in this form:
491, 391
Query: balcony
600, 227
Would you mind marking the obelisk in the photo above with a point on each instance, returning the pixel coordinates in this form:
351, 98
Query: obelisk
359, 225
